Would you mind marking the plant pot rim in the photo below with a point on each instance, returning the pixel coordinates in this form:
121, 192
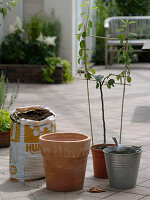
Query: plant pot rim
124, 154
95, 145
46, 138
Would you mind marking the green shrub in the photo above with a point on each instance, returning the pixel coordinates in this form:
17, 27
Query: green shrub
13, 49
133, 7
4, 87
31, 43
52, 63
33, 27
51, 27
5, 121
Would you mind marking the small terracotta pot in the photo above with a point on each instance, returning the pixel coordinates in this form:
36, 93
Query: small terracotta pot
65, 159
99, 165
4, 138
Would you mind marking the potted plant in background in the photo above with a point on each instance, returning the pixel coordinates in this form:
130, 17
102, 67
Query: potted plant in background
5, 121
122, 161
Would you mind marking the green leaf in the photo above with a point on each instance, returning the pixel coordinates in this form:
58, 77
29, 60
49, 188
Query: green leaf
83, 5
90, 52
123, 73
79, 61
111, 82
99, 78
87, 76
83, 13
88, 31
82, 44
80, 26
80, 52
132, 22
84, 34
90, 23
109, 87
78, 37
88, 64
97, 85
118, 77
123, 21
94, 7
119, 30
93, 71
134, 34
130, 49
124, 54
129, 79
122, 38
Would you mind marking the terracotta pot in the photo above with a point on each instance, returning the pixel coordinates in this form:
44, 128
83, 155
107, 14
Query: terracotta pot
65, 159
99, 165
4, 138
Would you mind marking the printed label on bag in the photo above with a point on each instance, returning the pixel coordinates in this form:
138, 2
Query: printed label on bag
15, 132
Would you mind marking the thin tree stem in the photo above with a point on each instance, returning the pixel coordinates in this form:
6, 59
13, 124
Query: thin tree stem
89, 105
88, 93
103, 113
124, 87
122, 109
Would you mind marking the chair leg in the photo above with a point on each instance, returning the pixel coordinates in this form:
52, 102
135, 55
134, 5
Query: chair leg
106, 56
112, 55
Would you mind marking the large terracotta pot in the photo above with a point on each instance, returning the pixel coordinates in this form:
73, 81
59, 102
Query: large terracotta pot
99, 164
65, 159
4, 139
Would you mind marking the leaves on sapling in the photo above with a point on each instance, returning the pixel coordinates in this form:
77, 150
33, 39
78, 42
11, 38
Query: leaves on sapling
94, 7
79, 61
83, 13
134, 34
93, 71
121, 38
123, 21
84, 34
80, 26
88, 75
81, 52
119, 30
83, 5
90, 23
82, 44
111, 82
99, 78
79, 36
132, 22
130, 49
97, 85
129, 79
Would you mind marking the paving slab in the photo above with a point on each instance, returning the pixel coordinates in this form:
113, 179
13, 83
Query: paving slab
69, 102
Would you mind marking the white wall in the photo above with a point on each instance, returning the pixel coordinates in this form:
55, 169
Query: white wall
62, 11
11, 18
31, 7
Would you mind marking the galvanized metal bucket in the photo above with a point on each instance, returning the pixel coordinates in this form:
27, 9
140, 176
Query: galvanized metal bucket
122, 169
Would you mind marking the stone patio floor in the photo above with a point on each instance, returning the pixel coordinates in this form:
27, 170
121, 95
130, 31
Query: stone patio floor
69, 102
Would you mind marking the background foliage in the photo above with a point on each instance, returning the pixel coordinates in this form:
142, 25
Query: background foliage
108, 8
23, 47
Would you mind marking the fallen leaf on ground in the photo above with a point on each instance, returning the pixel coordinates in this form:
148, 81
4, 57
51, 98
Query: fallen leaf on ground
96, 190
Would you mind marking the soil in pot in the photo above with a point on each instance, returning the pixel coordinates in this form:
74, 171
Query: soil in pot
37, 115
99, 165
65, 159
